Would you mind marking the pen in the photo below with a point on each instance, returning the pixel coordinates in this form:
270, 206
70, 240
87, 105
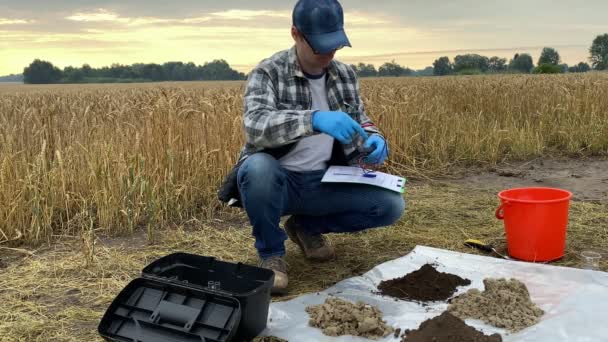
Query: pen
347, 174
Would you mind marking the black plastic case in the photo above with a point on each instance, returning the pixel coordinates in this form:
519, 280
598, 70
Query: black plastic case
172, 302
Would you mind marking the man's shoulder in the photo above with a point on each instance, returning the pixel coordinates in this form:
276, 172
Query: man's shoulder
344, 70
342, 67
275, 64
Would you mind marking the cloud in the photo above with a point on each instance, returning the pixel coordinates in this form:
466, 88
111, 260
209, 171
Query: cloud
359, 18
99, 15
227, 17
7, 21
235, 14
102, 15
196, 20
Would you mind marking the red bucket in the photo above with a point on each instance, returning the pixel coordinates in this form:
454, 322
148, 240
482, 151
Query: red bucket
535, 221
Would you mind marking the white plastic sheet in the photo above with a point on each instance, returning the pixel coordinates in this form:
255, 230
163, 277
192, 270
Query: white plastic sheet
575, 301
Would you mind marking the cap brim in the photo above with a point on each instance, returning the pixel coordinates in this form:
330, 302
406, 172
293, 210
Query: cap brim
328, 42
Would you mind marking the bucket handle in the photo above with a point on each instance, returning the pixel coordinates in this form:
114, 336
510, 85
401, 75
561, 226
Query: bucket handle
500, 212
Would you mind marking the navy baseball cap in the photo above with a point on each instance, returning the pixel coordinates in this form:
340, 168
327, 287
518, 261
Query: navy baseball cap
322, 24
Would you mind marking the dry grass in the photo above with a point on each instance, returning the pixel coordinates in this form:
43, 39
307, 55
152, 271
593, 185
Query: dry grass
60, 292
83, 160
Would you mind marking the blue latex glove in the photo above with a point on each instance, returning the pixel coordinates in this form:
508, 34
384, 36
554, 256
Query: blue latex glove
338, 125
380, 152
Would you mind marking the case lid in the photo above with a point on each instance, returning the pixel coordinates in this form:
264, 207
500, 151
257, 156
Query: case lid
211, 274
149, 310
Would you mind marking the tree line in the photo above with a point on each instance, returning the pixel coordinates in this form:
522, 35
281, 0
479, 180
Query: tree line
11, 78
549, 61
471, 64
44, 72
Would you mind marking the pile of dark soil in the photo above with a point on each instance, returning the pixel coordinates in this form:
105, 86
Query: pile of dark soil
425, 284
447, 328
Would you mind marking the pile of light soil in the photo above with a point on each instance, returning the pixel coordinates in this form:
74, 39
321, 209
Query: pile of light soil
425, 284
504, 304
337, 317
447, 328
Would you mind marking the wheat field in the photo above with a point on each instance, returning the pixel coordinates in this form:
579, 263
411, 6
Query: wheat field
116, 176
84, 160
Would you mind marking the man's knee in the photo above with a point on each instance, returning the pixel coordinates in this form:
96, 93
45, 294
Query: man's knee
259, 170
390, 208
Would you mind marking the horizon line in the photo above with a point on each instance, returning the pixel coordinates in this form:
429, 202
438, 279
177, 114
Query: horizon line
387, 55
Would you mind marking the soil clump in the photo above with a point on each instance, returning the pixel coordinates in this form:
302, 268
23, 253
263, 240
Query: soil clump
424, 284
447, 328
337, 317
503, 304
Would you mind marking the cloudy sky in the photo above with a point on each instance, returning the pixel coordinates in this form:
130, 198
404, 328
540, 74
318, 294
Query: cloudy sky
412, 32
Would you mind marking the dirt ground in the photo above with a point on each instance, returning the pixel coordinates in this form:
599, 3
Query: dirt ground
50, 292
587, 179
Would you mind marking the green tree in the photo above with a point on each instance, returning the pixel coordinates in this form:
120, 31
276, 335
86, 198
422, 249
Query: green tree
428, 71
497, 64
366, 70
393, 69
549, 56
153, 72
548, 69
521, 63
442, 66
583, 67
219, 70
87, 70
580, 67
119, 71
41, 72
471, 62
175, 71
190, 71
72, 75
599, 52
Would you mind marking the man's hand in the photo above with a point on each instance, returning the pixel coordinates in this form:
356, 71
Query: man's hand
338, 125
380, 152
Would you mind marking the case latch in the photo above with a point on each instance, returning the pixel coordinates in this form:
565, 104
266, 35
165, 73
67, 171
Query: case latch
175, 314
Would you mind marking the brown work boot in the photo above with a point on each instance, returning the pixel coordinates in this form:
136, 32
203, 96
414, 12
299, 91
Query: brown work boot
279, 267
314, 246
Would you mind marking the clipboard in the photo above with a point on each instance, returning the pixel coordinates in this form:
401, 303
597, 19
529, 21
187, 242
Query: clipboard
351, 174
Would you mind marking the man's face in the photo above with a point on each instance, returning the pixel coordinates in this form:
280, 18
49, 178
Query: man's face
306, 53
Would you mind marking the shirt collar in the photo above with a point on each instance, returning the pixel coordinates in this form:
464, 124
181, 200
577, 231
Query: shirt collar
296, 71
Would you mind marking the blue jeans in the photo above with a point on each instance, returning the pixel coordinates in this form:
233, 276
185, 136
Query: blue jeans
268, 192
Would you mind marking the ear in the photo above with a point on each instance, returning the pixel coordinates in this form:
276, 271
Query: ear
294, 33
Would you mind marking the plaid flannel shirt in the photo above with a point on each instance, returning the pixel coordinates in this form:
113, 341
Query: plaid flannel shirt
278, 102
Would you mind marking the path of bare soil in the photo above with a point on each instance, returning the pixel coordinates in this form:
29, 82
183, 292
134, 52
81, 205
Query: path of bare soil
587, 179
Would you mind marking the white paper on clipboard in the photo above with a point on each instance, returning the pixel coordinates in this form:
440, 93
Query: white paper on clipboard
350, 174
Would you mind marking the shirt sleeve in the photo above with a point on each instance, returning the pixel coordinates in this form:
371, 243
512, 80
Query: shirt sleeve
265, 125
